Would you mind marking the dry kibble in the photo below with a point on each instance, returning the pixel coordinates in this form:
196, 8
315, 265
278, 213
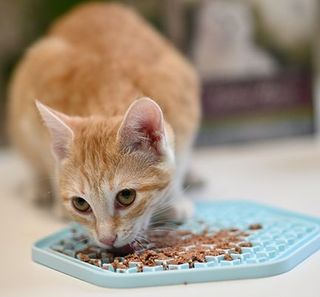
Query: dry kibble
215, 252
139, 267
245, 244
255, 226
83, 257
227, 257
236, 250
191, 263
96, 262
172, 248
165, 265
244, 234
224, 245
115, 264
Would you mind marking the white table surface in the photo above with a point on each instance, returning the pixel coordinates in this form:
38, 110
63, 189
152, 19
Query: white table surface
281, 173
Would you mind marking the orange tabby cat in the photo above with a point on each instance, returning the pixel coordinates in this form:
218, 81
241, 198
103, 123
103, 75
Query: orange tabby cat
117, 160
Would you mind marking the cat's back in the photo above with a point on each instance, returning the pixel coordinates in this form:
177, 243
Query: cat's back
99, 58
109, 30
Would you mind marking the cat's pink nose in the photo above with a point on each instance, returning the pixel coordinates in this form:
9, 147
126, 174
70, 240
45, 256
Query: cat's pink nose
108, 240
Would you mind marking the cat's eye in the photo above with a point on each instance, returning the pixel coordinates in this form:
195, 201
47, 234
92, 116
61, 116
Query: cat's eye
126, 197
80, 204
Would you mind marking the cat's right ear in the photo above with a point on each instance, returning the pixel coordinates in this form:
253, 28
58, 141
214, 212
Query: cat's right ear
143, 129
58, 125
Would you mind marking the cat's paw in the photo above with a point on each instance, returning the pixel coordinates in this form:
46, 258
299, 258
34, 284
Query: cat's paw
192, 181
183, 209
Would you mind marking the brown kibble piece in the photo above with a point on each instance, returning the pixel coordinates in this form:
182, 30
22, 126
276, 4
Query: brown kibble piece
224, 245
96, 262
165, 265
191, 263
245, 244
139, 267
255, 226
227, 257
215, 252
83, 257
244, 234
236, 250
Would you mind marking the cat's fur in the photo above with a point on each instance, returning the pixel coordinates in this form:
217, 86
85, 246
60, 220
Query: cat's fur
88, 72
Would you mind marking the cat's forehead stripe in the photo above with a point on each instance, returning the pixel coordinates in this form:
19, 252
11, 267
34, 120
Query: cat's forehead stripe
152, 187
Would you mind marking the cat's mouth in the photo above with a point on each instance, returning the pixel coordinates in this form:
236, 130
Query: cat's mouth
123, 250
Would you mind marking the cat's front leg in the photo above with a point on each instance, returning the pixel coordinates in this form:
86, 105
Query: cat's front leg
45, 194
182, 207
177, 209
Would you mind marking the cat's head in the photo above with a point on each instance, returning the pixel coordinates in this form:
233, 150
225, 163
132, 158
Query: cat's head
113, 173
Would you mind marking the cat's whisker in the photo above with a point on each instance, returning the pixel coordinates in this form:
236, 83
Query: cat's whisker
140, 244
165, 202
162, 207
142, 241
132, 245
141, 237
163, 223
165, 228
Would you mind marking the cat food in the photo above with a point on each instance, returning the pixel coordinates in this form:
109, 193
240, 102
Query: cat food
166, 249
245, 244
255, 226
227, 257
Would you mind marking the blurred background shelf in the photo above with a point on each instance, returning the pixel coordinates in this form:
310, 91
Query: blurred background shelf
258, 62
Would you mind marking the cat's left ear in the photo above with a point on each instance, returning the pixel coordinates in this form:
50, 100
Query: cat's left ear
143, 128
58, 125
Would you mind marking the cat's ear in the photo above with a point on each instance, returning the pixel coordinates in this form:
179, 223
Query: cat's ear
143, 128
58, 126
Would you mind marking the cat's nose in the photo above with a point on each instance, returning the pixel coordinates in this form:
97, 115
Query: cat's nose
108, 240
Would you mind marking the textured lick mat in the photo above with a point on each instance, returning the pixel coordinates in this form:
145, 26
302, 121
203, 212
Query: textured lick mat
285, 240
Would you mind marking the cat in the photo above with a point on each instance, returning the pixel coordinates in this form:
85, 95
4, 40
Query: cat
119, 108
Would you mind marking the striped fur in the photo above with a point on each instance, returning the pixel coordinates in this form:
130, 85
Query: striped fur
88, 70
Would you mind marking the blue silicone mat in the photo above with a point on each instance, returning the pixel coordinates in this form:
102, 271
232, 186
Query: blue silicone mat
285, 240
